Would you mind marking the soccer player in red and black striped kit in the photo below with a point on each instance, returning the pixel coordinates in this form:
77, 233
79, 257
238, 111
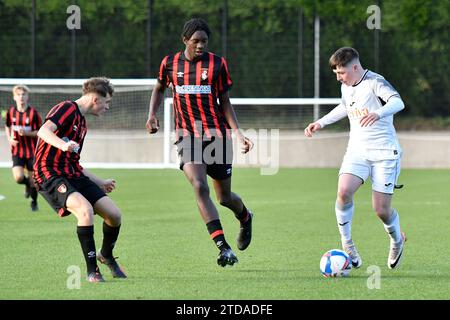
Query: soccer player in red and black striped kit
203, 127
67, 186
22, 124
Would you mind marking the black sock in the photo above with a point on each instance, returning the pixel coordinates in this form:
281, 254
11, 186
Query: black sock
215, 230
33, 193
110, 235
86, 237
243, 216
24, 181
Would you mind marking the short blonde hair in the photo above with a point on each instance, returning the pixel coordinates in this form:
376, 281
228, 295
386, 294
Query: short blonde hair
20, 87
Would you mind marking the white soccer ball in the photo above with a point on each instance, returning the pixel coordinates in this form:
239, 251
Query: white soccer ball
335, 263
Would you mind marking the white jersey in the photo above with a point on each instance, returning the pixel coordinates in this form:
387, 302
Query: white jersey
378, 141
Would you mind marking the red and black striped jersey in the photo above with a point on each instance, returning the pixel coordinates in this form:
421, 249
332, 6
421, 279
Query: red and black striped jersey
50, 161
29, 120
196, 86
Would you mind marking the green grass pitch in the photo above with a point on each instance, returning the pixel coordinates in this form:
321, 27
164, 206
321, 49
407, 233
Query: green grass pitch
165, 248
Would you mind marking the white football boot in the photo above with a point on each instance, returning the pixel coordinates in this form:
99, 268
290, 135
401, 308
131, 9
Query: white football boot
396, 253
350, 249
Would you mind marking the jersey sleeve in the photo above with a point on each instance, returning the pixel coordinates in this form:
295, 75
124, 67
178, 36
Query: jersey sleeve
8, 121
384, 90
225, 82
62, 114
37, 121
163, 76
338, 113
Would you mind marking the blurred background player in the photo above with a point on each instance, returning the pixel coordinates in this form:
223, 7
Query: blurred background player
198, 78
370, 102
69, 188
22, 124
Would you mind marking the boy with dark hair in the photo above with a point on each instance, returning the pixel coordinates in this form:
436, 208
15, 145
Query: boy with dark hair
370, 102
203, 127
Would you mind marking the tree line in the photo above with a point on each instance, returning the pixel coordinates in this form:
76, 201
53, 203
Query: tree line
269, 44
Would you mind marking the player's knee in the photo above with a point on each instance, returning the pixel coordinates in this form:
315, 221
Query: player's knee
224, 200
345, 195
115, 217
19, 178
200, 188
85, 214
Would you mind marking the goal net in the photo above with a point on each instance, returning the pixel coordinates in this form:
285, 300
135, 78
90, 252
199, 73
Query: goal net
118, 139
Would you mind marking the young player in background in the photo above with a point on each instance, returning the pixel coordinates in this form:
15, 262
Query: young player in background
370, 102
203, 128
22, 124
67, 186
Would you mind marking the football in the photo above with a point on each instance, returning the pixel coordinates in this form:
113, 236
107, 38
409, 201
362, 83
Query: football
335, 263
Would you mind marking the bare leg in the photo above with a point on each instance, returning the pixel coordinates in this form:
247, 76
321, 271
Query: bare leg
196, 174
227, 198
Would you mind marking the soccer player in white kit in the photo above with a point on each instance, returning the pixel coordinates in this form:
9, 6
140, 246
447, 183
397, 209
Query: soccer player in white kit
369, 101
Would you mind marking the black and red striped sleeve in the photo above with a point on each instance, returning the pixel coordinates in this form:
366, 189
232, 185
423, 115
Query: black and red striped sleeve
8, 121
163, 76
37, 121
224, 80
63, 113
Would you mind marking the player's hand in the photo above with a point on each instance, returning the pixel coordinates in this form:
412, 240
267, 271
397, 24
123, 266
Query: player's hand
247, 144
369, 120
152, 125
312, 128
70, 146
108, 185
13, 142
21, 132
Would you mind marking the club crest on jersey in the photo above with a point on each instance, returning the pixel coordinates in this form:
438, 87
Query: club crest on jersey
204, 74
27, 120
62, 188
180, 74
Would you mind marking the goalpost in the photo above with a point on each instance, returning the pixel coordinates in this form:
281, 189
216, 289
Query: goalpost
119, 138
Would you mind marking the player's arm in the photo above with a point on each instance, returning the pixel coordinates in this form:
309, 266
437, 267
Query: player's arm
338, 113
106, 185
12, 142
392, 106
33, 133
47, 133
386, 92
230, 117
152, 124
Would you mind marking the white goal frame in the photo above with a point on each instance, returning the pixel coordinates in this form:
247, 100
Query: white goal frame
168, 130
316, 102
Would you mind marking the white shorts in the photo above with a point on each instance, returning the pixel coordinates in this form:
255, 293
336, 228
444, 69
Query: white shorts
383, 173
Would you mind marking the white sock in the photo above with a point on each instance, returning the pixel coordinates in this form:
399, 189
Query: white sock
344, 216
393, 227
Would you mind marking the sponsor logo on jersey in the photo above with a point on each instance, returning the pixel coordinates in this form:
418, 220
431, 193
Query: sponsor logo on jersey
17, 128
180, 74
356, 113
193, 89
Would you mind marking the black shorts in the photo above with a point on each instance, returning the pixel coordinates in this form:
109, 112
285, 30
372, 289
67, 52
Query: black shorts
57, 189
216, 153
23, 162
